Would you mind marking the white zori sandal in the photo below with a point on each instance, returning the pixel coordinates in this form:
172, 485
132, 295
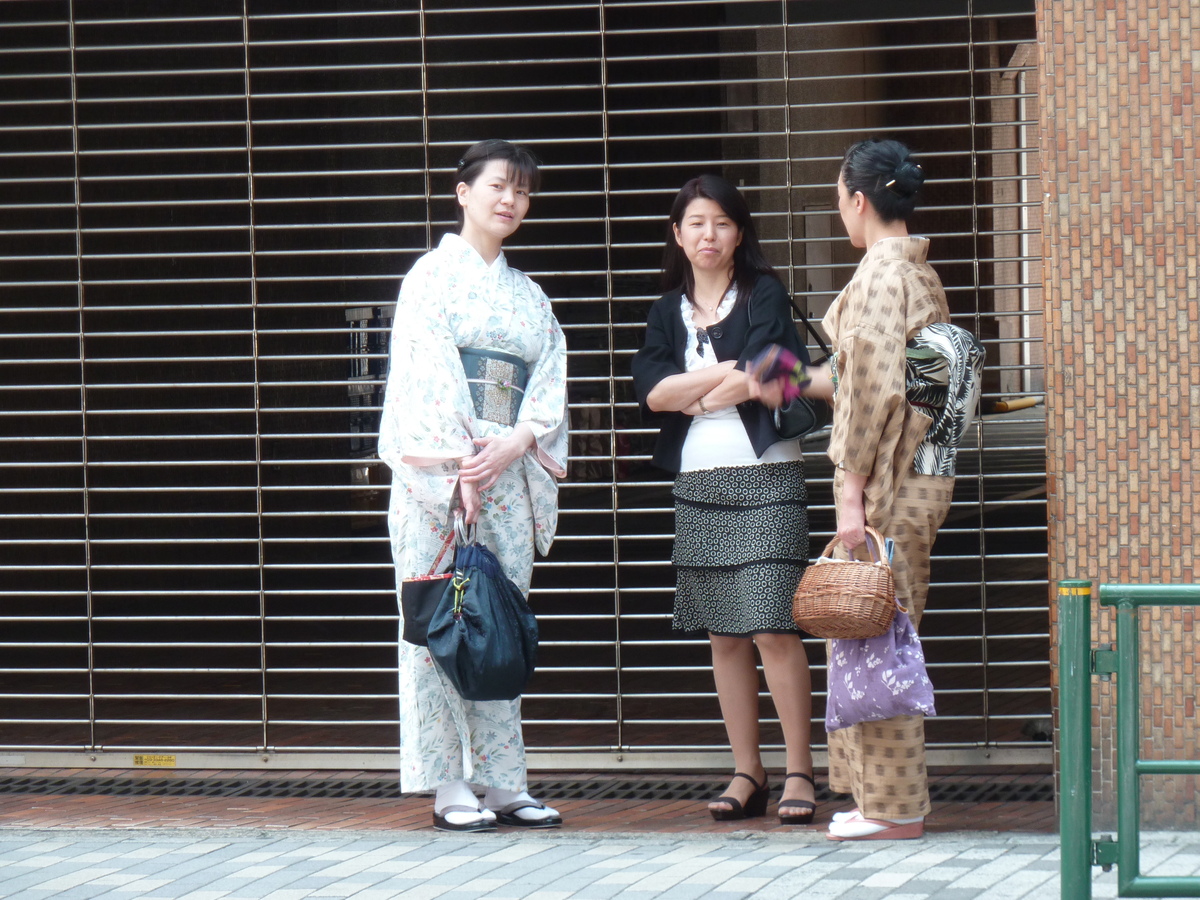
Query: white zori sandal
518, 809
456, 808
856, 827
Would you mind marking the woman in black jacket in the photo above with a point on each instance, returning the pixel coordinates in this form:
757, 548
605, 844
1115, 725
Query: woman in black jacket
741, 520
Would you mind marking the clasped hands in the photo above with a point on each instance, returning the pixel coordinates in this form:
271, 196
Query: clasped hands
480, 471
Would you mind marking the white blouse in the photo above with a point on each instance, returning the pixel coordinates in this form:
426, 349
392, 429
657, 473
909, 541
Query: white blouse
718, 438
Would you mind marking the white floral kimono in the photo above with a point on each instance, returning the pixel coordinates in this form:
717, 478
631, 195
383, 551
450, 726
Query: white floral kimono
449, 300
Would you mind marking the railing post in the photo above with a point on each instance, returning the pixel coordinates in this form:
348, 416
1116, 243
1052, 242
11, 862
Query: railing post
1129, 783
1075, 737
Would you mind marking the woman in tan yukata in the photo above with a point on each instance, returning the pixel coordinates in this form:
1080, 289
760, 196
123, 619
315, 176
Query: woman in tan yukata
893, 294
876, 435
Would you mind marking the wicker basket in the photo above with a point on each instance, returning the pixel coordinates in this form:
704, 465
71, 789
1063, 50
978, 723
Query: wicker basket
846, 598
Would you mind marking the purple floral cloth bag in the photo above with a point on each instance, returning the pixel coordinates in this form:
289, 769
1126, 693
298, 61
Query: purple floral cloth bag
878, 678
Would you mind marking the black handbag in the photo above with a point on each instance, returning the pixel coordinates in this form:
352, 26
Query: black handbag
803, 415
813, 414
420, 595
483, 635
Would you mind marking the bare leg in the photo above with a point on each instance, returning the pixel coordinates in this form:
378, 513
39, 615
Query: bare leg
735, 670
785, 665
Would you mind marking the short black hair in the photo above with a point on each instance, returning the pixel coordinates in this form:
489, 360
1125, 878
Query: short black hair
887, 175
522, 166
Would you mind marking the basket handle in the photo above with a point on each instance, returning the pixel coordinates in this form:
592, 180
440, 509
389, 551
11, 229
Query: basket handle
874, 541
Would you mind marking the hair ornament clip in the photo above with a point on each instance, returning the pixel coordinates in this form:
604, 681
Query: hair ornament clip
461, 163
890, 184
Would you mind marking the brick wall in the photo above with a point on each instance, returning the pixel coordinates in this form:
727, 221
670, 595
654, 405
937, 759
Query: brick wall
1118, 150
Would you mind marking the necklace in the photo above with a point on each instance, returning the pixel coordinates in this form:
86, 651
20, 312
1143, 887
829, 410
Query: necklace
709, 310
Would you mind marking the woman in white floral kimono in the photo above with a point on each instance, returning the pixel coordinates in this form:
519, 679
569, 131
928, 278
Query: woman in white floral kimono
463, 295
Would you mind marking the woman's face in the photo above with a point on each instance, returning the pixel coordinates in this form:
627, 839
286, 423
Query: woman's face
708, 236
852, 208
492, 205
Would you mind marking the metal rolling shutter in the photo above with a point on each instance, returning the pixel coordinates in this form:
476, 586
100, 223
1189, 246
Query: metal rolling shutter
208, 209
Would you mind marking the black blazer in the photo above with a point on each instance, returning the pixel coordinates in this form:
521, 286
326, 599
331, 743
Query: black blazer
766, 319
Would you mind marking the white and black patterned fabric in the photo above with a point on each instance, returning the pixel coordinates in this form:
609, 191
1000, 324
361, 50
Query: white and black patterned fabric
741, 544
944, 373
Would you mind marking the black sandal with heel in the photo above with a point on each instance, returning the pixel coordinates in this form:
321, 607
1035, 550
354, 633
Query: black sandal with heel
804, 810
756, 804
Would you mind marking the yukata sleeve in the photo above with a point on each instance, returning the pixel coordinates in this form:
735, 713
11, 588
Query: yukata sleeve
544, 410
544, 406
870, 392
427, 418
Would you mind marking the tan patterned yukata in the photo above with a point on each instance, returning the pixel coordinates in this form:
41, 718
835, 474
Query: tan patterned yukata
893, 294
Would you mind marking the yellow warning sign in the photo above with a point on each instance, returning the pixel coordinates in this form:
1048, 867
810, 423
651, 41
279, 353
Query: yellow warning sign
160, 760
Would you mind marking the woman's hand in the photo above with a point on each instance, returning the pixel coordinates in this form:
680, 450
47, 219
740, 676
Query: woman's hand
852, 530
496, 454
769, 394
472, 503
851, 513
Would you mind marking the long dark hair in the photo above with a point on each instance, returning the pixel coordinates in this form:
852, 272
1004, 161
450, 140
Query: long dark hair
748, 259
887, 175
522, 166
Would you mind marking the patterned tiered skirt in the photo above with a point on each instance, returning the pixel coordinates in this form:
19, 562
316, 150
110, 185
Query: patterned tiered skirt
741, 544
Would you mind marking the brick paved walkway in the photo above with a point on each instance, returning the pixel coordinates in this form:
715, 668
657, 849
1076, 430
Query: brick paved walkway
142, 807
251, 864
138, 835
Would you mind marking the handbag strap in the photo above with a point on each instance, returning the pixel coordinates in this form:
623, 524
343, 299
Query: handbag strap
462, 531
460, 534
445, 546
807, 325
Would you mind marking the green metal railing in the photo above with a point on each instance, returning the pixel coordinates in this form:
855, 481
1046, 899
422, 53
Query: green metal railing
1077, 663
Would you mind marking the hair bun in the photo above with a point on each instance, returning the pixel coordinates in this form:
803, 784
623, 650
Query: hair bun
907, 179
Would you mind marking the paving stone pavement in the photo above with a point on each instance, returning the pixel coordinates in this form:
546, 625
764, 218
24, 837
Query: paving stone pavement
203, 864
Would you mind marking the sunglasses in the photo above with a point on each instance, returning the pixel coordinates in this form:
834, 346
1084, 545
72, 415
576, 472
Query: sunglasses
701, 339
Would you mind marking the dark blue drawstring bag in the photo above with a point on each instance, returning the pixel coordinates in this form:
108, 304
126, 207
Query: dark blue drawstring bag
483, 634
